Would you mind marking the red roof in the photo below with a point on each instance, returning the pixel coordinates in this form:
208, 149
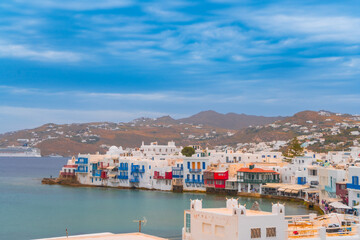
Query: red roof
256, 170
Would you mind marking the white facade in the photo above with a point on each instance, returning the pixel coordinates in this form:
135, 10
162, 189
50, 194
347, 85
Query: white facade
155, 149
193, 173
233, 222
353, 187
302, 170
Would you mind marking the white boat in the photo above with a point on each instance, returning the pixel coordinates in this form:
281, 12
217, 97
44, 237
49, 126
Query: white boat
18, 151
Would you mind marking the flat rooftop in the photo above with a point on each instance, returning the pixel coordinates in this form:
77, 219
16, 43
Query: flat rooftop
109, 236
227, 211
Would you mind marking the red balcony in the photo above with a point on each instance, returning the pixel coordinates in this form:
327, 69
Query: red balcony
221, 175
209, 183
219, 183
66, 174
104, 175
103, 165
168, 175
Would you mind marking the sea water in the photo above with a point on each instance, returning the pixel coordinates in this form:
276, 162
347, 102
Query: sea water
30, 210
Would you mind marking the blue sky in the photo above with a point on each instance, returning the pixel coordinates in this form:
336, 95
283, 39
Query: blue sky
88, 60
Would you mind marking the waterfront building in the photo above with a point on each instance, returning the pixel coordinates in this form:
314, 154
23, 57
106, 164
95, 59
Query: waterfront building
251, 179
68, 170
353, 186
302, 170
162, 178
193, 173
328, 177
215, 179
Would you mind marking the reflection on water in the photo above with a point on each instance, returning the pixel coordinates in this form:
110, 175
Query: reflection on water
31, 210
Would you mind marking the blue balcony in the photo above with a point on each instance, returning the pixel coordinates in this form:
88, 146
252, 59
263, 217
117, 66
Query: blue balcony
96, 173
353, 186
123, 177
123, 168
177, 172
195, 181
137, 169
330, 189
81, 160
82, 169
189, 180
134, 180
192, 170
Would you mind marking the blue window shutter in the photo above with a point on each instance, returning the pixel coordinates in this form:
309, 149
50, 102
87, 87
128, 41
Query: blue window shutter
203, 165
188, 165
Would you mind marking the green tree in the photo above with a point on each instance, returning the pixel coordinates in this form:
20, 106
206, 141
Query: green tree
294, 149
188, 151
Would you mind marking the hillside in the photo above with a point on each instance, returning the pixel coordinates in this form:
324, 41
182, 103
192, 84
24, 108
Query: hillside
230, 120
320, 131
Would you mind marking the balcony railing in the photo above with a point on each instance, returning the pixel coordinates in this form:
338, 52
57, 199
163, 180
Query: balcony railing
330, 189
178, 175
177, 169
81, 161
137, 169
195, 181
134, 180
193, 170
352, 186
123, 177
259, 181
81, 170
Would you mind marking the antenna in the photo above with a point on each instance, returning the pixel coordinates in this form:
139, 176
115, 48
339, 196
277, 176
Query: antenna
144, 221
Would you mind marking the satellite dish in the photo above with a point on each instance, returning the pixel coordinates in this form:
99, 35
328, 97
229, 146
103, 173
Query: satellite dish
144, 221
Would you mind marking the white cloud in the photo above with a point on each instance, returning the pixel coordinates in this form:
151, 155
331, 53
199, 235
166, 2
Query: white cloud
10, 50
78, 5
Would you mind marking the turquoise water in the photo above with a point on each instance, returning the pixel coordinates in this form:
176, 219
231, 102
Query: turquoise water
31, 210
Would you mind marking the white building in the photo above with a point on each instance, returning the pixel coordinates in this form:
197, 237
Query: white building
155, 149
193, 173
353, 187
233, 222
302, 170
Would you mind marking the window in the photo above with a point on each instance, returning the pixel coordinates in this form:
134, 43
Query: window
188, 222
271, 232
256, 233
203, 165
188, 165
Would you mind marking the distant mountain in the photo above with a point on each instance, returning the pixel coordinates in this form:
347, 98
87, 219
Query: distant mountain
230, 120
323, 130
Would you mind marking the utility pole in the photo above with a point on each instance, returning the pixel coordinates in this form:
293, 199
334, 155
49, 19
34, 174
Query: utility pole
144, 221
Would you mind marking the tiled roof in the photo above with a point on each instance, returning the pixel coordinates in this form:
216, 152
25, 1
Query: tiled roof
256, 170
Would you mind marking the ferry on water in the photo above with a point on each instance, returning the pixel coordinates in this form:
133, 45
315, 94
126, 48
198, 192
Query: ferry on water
18, 151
